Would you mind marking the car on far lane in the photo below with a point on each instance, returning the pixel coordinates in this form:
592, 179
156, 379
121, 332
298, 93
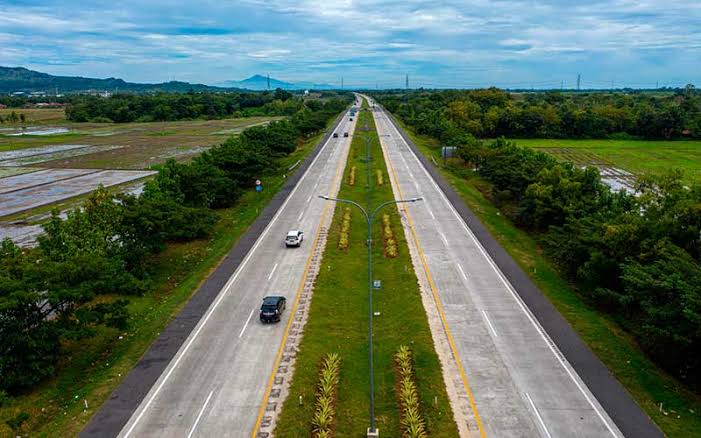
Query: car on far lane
351, 119
272, 308
294, 238
345, 134
335, 135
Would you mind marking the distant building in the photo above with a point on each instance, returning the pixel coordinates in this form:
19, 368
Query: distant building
3, 106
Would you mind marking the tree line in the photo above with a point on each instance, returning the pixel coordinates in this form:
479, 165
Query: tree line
123, 108
637, 257
86, 266
492, 113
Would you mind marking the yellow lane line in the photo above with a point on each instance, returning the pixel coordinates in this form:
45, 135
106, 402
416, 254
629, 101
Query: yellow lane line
439, 306
271, 380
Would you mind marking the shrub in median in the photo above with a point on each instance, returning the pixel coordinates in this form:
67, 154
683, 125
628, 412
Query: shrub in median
412, 422
391, 249
351, 176
344, 237
325, 407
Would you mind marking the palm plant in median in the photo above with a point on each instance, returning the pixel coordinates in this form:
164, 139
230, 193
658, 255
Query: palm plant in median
412, 422
325, 411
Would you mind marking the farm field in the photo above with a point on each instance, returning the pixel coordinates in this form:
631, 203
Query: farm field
635, 156
46, 164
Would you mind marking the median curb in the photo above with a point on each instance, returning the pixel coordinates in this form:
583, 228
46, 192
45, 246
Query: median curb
116, 411
631, 420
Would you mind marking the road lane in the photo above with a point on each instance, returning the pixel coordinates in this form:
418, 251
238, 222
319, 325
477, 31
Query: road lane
522, 385
215, 384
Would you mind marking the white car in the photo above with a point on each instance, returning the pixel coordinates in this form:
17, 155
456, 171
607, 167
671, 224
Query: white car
294, 238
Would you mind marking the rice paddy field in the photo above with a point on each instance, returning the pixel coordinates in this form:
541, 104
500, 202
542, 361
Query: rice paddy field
624, 157
49, 162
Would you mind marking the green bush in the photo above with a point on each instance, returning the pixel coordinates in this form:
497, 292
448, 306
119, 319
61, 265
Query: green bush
391, 247
412, 422
344, 236
351, 176
324, 409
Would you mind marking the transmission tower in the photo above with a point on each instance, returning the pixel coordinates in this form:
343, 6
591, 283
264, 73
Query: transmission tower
406, 82
579, 81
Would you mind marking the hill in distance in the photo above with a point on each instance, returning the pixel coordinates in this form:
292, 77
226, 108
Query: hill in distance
260, 82
14, 79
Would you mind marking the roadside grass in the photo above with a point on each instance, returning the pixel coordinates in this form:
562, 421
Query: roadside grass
636, 156
93, 368
650, 386
338, 322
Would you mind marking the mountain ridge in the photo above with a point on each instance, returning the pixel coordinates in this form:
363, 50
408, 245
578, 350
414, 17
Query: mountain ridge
21, 79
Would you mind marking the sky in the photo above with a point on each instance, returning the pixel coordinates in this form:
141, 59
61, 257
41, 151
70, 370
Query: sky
441, 44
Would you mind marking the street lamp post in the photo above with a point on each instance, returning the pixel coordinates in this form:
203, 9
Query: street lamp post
369, 218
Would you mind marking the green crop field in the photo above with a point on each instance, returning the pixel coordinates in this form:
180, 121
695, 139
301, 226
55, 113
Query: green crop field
636, 156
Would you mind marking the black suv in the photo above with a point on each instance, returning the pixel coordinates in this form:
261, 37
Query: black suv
335, 135
272, 308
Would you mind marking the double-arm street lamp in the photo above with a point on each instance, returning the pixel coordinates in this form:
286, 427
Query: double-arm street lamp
369, 219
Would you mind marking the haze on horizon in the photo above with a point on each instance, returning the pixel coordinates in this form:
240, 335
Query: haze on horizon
512, 43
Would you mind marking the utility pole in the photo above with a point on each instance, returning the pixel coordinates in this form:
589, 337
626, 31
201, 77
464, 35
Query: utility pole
406, 82
341, 82
579, 80
562, 85
268, 81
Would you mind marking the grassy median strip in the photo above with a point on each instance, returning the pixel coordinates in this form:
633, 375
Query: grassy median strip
675, 409
93, 369
338, 322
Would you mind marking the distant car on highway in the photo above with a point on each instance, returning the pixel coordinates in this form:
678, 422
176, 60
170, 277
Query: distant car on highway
294, 238
351, 119
272, 308
335, 135
345, 134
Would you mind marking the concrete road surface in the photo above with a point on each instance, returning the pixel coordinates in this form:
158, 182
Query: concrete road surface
520, 382
214, 385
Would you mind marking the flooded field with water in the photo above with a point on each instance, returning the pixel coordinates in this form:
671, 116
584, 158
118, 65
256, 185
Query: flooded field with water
52, 162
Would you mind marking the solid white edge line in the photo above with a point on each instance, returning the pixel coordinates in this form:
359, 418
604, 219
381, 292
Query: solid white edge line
489, 323
243, 329
508, 285
272, 271
222, 294
461, 271
199, 416
537, 414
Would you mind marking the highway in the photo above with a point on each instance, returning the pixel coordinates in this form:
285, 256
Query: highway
216, 383
513, 377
